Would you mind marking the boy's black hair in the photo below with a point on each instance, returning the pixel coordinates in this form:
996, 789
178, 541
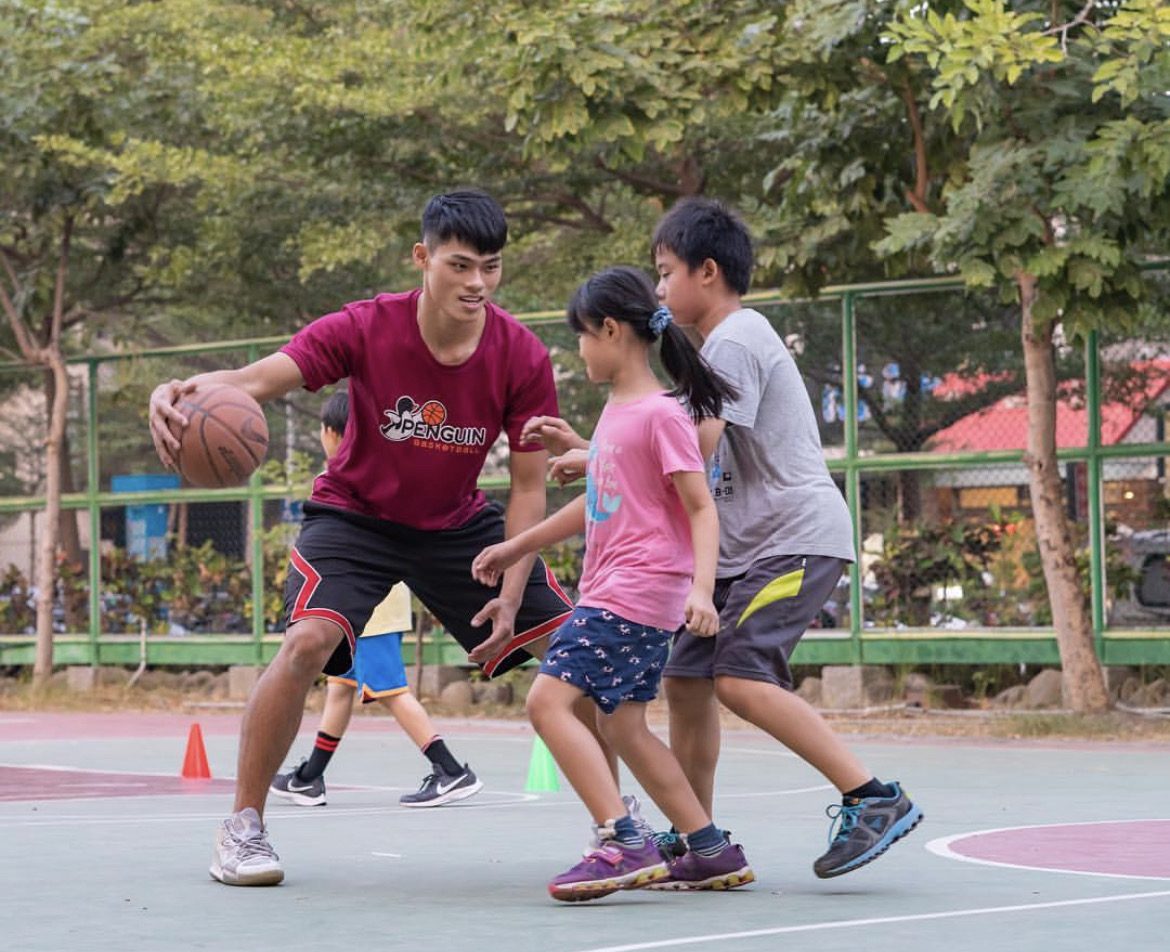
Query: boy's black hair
627, 295
696, 229
335, 413
467, 215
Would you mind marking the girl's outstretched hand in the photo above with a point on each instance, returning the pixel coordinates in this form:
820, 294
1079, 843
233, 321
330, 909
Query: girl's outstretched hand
568, 467
553, 433
490, 564
702, 618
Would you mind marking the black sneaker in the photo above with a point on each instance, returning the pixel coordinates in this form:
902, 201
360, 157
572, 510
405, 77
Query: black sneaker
864, 829
439, 788
290, 787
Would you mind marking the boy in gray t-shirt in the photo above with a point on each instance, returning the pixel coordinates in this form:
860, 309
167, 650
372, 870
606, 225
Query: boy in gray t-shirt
785, 537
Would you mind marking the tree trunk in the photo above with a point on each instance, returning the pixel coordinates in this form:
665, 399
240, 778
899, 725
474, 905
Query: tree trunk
47, 562
70, 538
910, 496
1084, 683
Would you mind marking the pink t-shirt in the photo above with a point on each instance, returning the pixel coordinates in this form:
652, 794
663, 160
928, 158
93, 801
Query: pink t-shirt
419, 431
638, 554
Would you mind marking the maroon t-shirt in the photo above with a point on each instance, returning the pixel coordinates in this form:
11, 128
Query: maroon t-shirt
419, 431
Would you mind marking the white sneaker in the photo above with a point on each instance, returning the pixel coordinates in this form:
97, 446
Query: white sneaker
243, 855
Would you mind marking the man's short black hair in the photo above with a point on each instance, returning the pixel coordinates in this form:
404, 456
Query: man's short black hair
335, 413
467, 215
696, 229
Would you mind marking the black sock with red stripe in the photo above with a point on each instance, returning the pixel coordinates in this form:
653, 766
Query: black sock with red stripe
438, 754
318, 760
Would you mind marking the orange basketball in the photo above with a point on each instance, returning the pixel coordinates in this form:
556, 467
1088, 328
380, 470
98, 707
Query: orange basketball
433, 413
225, 439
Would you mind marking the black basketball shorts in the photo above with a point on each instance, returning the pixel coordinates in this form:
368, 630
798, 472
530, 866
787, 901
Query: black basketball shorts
343, 564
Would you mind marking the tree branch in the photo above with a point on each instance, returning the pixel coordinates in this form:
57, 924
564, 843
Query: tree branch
918, 196
19, 328
1064, 28
54, 340
638, 181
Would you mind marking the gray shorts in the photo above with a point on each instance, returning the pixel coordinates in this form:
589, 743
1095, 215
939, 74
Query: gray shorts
762, 615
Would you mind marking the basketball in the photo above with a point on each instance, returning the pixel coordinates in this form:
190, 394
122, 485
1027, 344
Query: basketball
225, 439
433, 413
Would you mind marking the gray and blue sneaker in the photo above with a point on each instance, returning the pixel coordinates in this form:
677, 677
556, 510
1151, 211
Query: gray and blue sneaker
864, 829
289, 786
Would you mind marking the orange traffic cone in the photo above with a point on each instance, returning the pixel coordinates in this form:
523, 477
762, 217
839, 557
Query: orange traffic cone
195, 762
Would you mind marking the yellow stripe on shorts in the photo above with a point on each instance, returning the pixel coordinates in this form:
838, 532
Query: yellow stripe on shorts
783, 586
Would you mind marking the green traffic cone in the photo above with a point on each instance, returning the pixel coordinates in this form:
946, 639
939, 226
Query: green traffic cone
542, 769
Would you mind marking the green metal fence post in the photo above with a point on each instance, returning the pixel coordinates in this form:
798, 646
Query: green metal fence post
1094, 470
852, 472
92, 476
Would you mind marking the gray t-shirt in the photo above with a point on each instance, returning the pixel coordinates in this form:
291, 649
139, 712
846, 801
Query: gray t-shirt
768, 475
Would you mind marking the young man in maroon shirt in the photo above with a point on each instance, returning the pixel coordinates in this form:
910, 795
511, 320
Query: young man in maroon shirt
435, 374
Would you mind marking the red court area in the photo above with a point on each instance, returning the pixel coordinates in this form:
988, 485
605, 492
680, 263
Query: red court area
50, 783
1139, 848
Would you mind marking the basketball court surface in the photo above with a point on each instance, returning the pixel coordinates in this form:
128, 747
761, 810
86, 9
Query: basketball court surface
1062, 846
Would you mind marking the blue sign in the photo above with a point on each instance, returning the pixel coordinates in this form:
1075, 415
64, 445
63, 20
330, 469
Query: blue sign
146, 526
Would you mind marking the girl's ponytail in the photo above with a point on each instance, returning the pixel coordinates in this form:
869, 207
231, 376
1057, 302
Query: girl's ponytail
627, 295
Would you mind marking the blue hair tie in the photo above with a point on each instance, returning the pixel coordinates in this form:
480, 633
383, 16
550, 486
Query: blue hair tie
659, 319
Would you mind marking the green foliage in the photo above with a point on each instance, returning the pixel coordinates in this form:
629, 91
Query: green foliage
17, 613
1067, 173
915, 559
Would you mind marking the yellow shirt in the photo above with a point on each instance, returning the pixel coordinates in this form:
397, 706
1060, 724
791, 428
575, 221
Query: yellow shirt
392, 615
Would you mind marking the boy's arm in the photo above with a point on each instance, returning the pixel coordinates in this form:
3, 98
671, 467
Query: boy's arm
527, 505
710, 429
265, 379
702, 618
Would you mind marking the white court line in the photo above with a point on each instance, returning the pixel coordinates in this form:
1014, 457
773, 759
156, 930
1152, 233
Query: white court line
528, 800
884, 920
942, 847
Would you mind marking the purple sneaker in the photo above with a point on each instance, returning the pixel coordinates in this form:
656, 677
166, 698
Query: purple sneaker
608, 868
727, 869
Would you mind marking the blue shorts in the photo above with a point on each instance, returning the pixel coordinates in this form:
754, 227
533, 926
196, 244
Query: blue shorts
377, 669
608, 658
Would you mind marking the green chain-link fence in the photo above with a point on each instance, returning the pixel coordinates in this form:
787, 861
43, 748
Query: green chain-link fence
918, 387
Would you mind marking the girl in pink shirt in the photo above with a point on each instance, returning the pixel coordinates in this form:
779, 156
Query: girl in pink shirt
651, 545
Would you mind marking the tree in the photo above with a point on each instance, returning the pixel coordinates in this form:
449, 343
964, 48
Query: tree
93, 159
1062, 191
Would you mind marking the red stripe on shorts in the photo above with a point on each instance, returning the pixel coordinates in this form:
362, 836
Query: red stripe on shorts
556, 586
524, 638
301, 610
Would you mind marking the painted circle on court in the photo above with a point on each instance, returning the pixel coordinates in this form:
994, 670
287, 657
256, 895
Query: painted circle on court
1137, 849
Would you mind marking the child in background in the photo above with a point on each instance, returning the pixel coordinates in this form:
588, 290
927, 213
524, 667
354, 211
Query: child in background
379, 674
651, 537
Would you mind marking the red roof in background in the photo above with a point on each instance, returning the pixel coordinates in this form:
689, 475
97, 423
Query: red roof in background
1004, 424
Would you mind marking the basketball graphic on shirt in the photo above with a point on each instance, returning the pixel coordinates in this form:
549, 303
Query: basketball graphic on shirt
433, 413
